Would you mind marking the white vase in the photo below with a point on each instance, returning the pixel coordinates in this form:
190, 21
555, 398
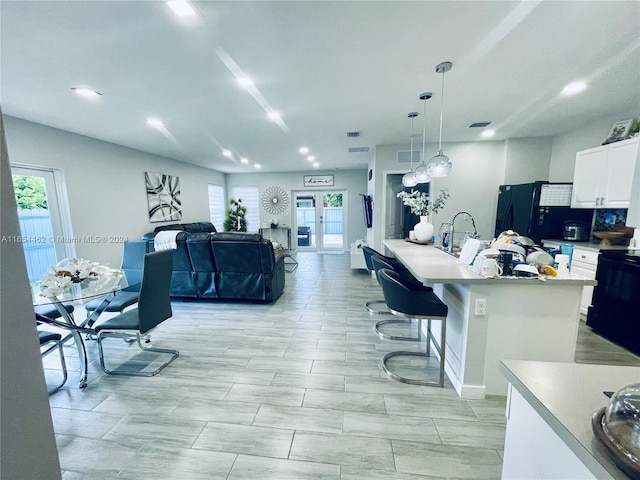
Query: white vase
423, 229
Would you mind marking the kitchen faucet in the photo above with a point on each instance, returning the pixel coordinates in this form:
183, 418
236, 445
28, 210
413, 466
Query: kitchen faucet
473, 222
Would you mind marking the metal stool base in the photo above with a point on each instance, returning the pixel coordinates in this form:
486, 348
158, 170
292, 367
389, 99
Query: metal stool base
439, 348
368, 306
409, 322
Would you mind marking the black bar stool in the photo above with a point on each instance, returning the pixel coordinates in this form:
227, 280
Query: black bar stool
406, 299
368, 253
378, 264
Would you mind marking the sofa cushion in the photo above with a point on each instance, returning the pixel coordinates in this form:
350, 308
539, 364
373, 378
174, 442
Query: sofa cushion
236, 237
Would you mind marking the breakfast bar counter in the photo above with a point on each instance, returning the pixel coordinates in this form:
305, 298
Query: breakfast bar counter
525, 318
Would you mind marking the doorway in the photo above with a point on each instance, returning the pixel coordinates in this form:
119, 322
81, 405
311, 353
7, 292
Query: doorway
41, 212
398, 219
320, 220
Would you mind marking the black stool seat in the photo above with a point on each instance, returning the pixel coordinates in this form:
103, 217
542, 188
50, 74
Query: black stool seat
393, 263
46, 337
380, 262
410, 300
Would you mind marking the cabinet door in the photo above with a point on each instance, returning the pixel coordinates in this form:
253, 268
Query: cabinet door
585, 263
587, 178
621, 161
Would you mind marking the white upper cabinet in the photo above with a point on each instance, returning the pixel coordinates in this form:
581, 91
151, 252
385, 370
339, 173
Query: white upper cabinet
603, 175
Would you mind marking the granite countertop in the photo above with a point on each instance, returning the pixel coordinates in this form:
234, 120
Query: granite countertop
566, 395
430, 264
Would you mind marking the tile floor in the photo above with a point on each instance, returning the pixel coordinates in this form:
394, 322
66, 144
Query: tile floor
291, 390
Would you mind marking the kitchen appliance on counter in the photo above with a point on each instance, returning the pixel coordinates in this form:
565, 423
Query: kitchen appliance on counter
615, 303
575, 231
538, 210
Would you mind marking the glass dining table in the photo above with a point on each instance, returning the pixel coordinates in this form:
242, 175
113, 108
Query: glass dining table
105, 283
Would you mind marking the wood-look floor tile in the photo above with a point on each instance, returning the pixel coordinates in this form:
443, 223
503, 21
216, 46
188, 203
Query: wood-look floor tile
264, 468
244, 439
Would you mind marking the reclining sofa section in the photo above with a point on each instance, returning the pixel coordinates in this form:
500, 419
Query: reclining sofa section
225, 266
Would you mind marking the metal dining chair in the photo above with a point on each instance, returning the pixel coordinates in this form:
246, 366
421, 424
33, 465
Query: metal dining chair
154, 307
133, 253
50, 341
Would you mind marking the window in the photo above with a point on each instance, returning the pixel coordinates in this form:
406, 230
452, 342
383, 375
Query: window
216, 206
250, 199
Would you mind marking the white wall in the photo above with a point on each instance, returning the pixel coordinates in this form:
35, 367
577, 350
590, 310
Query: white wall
586, 135
352, 182
478, 171
528, 159
105, 183
27, 438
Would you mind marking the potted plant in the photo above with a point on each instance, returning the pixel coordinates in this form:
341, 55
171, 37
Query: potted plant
236, 217
421, 204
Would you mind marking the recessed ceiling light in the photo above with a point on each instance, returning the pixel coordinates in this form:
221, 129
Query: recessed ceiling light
573, 88
303, 150
275, 116
316, 165
246, 82
155, 122
244, 160
86, 92
181, 8
227, 153
257, 166
311, 158
488, 133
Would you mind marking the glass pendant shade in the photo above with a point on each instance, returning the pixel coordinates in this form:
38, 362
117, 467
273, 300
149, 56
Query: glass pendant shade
422, 173
439, 166
409, 179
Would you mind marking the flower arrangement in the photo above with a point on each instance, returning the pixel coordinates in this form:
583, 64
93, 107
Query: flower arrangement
420, 203
59, 278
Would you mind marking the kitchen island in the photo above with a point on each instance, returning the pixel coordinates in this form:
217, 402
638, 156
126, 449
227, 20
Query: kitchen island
549, 410
525, 319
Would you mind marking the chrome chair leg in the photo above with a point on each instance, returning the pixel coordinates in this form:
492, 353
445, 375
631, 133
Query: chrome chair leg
376, 311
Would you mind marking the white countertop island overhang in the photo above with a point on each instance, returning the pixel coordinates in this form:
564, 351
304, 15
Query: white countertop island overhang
526, 318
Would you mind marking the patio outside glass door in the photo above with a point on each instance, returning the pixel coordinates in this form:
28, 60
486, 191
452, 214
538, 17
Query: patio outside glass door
320, 220
43, 236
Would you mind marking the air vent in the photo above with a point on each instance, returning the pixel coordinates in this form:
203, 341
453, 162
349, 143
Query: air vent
405, 156
354, 134
479, 124
358, 149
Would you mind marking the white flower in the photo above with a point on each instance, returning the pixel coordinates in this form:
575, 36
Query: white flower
59, 278
420, 203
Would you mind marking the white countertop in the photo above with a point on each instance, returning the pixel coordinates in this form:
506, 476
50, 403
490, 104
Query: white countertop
592, 246
566, 395
429, 264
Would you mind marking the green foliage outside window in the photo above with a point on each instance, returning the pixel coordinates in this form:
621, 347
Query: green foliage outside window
30, 192
333, 199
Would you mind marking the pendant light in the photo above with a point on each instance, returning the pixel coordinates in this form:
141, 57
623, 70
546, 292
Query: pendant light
440, 165
422, 172
409, 179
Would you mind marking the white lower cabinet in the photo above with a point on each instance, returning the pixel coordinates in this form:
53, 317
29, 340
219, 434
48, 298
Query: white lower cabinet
585, 264
533, 450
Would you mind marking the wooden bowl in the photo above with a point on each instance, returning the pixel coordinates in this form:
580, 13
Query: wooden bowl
609, 238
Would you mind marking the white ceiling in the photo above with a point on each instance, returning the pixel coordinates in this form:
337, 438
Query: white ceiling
328, 67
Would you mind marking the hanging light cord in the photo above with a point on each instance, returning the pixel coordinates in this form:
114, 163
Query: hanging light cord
441, 110
424, 126
411, 148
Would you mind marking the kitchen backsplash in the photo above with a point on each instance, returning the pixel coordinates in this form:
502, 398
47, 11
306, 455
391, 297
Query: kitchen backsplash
605, 220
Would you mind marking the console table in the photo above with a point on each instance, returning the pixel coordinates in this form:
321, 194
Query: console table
282, 235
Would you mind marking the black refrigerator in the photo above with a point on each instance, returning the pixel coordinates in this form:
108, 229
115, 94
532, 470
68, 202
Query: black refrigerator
538, 210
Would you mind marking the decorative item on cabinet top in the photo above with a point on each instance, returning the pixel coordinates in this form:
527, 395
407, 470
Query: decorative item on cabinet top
622, 130
275, 200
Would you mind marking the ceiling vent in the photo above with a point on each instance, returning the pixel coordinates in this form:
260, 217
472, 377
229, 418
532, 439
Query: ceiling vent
479, 124
407, 156
354, 134
358, 149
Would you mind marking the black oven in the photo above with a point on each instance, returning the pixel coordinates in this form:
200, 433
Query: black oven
615, 308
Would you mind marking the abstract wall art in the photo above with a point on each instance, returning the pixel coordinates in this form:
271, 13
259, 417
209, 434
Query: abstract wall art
163, 197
